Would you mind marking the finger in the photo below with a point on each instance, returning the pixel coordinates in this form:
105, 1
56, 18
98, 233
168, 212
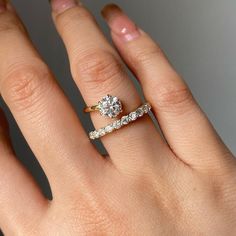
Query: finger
21, 202
184, 125
40, 108
98, 71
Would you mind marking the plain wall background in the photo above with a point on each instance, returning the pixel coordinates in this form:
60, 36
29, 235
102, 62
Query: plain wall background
198, 36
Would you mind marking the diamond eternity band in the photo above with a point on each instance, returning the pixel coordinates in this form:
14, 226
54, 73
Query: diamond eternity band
125, 120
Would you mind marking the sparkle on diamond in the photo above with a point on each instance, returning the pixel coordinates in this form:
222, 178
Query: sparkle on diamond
125, 120
133, 116
110, 106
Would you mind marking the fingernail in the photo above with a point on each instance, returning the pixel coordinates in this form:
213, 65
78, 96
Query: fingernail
120, 24
3, 5
59, 6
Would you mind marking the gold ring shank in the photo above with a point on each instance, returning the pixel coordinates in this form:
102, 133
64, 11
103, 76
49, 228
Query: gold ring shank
91, 109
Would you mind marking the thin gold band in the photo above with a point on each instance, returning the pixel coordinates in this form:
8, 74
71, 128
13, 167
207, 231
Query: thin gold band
91, 109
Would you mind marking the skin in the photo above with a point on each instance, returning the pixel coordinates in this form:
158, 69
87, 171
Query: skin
181, 183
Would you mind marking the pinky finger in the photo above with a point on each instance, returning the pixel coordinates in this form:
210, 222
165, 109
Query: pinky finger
21, 202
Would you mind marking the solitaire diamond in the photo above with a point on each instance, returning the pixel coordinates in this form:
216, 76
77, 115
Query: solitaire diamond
110, 106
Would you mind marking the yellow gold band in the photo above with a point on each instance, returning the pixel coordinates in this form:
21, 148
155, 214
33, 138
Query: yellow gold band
91, 109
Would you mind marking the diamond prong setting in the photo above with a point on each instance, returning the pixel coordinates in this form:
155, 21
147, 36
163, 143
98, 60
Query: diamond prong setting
110, 106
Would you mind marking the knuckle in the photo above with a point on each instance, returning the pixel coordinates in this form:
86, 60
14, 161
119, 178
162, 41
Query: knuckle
173, 98
24, 85
5, 27
75, 15
99, 68
145, 56
10, 24
97, 213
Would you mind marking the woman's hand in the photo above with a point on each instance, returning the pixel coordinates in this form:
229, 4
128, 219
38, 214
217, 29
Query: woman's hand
147, 186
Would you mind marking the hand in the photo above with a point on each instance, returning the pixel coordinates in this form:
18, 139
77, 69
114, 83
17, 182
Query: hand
183, 185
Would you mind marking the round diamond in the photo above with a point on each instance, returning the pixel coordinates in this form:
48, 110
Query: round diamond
109, 128
133, 116
125, 120
101, 132
91, 135
94, 135
146, 108
140, 112
117, 124
110, 106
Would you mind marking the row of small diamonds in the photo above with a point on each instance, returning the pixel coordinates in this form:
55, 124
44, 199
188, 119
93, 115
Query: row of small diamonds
125, 120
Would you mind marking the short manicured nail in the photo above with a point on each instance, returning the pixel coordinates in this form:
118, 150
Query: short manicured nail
120, 23
3, 5
59, 6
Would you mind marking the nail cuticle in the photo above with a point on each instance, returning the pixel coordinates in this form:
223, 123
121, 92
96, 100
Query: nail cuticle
59, 6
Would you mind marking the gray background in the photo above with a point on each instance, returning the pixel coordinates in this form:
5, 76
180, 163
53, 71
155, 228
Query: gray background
198, 36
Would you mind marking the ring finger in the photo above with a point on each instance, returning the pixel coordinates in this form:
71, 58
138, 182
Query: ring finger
97, 70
